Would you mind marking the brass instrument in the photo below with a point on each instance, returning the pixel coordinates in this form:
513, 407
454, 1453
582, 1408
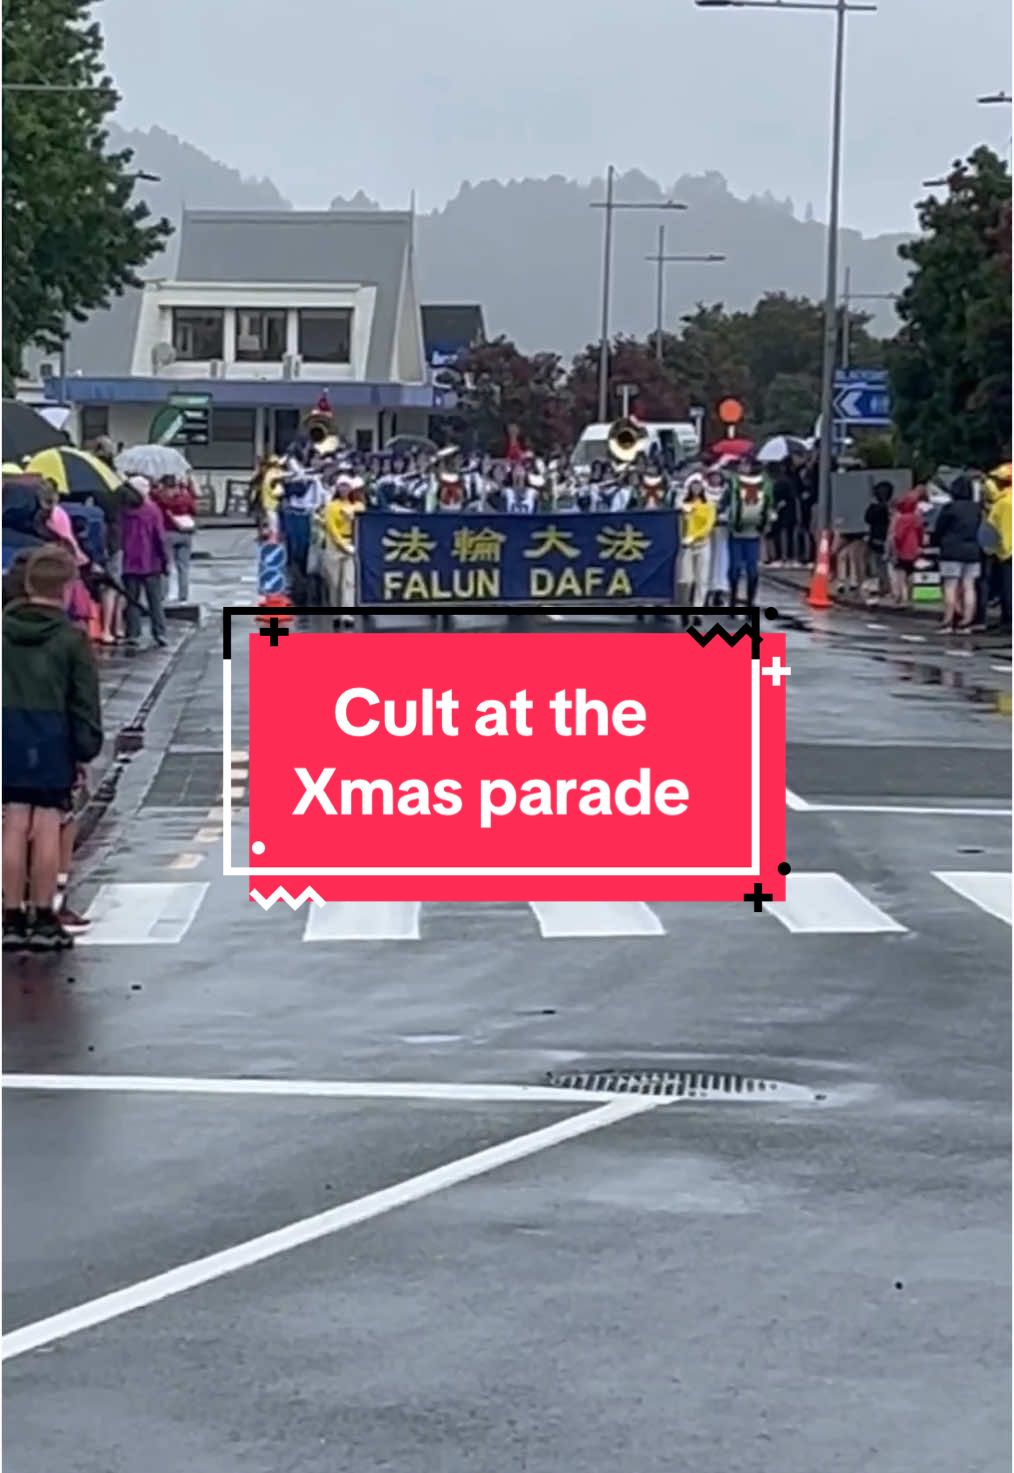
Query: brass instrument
627, 439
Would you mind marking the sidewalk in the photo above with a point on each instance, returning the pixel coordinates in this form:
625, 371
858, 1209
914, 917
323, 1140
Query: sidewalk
922, 615
131, 681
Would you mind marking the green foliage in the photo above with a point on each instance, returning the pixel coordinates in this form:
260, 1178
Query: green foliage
769, 359
951, 363
72, 233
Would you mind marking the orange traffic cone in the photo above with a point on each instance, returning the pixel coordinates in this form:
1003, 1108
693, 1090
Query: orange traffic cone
818, 596
272, 604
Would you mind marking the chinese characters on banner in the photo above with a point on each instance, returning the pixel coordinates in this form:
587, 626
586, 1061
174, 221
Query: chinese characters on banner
598, 766
517, 559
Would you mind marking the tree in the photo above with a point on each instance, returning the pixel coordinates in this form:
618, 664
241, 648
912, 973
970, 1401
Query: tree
654, 394
73, 236
501, 386
951, 364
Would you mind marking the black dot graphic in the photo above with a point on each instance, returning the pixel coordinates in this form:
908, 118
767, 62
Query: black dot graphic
785, 868
771, 613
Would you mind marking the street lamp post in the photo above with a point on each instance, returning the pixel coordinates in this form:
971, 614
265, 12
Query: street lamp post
839, 9
610, 205
848, 297
661, 260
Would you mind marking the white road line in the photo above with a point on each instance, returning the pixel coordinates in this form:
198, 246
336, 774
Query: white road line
826, 904
568, 918
311, 1229
913, 638
795, 802
309, 1089
990, 890
909, 811
1001, 669
364, 920
142, 915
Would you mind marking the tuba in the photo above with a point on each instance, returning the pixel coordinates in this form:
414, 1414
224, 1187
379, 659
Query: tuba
626, 440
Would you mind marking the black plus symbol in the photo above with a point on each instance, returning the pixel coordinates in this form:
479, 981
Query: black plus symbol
274, 631
758, 895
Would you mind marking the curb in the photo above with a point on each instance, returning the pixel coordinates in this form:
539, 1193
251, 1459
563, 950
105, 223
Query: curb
128, 740
855, 605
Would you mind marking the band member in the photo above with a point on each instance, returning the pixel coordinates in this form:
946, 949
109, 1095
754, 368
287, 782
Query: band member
652, 492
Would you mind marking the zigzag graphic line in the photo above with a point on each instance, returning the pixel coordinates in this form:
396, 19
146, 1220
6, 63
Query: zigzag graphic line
282, 894
717, 632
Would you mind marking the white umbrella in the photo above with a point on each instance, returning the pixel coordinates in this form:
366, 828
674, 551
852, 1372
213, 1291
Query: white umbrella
781, 447
153, 461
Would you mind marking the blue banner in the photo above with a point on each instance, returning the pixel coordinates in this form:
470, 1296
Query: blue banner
473, 557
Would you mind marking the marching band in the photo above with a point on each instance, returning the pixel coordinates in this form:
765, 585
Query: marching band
308, 497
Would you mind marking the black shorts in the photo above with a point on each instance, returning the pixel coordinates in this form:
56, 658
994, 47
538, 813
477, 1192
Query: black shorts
905, 565
59, 798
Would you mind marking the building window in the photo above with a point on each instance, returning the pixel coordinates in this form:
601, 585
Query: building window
364, 441
260, 336
94, 422
231, 442
198, 333
325, 334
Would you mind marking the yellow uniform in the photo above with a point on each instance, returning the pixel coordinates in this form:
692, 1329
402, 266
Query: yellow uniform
698, 521
339, 519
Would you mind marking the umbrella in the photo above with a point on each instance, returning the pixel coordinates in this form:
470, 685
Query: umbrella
153, 461
781, 447
734, 446
409, 445
74, 471
25, 431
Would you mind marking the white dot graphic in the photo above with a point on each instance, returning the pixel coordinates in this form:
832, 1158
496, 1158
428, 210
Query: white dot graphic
258, 846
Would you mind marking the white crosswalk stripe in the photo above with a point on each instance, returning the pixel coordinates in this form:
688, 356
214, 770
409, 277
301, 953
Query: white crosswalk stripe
816, 904
990, 890
364, 920
826, 904
142, 915
558, 919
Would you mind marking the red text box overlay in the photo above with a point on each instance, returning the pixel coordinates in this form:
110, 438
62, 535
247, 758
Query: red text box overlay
552, 753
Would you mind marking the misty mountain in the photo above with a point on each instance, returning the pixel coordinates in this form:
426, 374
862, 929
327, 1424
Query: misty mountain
530, 250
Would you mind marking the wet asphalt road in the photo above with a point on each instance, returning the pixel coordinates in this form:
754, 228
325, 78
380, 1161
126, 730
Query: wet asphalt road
744, 1286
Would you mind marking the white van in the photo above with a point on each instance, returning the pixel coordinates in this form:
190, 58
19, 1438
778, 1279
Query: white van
675, 441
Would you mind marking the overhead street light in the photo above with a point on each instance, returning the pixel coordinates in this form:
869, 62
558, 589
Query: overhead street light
661, 261
848, 297
839, 9
610, 205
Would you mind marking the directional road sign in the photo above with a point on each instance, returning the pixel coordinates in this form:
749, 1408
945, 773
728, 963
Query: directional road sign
862, 397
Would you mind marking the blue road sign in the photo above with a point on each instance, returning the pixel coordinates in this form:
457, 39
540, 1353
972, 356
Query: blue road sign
862, 397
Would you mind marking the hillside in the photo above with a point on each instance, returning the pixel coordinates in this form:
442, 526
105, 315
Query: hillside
530, 250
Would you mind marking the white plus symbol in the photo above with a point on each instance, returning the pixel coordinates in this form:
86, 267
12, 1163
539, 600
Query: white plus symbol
775, 671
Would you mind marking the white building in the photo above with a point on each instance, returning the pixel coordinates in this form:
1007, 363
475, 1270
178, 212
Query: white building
266, 311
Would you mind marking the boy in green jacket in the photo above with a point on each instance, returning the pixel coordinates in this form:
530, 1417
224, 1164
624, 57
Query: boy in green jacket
52, 726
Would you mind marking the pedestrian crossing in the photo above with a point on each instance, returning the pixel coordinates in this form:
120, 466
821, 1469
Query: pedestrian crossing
818, 903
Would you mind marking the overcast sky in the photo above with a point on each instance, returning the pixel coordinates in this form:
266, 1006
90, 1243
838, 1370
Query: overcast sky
329, 96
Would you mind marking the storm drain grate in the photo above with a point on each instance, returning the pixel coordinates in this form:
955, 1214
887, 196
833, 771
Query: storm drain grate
683, 1084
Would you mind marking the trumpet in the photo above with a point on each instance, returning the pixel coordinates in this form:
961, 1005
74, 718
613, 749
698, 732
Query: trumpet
626, 440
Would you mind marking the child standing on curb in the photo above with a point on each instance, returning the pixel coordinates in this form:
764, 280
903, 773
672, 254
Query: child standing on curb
52, 727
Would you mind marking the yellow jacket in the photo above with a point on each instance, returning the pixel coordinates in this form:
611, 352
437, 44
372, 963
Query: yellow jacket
339, 518
999, 518
698, 521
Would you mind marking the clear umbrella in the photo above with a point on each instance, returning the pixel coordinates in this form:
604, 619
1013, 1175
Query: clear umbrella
153, 461
781, 447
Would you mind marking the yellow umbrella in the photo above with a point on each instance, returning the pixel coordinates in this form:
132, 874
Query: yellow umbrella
11, 468
74, 471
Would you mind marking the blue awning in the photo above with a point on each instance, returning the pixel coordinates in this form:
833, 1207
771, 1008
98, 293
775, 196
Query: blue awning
240, 394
